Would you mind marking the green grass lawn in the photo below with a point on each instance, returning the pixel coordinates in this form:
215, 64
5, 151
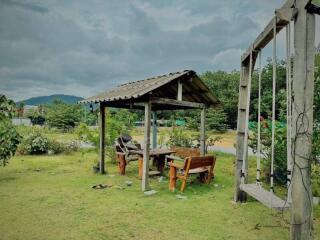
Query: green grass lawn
50, 197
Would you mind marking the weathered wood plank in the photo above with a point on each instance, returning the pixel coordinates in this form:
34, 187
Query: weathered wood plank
125, 105
267, 198
241, 126
174, 102
286, 14
267, 34
179, 97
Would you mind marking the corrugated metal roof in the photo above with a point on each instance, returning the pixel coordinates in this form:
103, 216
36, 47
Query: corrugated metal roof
138, 89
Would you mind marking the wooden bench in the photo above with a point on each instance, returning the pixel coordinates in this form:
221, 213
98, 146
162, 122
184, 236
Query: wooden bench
192, 165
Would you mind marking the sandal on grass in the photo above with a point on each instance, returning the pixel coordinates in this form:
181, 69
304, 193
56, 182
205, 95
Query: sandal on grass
100, 186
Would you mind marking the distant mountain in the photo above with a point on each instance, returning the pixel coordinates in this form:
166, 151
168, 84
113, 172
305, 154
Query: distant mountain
49, 99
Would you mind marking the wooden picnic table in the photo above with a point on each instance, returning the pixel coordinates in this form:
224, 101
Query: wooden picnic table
159, 156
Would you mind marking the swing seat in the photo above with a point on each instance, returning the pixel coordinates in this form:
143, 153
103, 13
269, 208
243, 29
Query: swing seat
264, 196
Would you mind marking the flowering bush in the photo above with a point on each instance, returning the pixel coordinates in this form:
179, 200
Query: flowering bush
34, 143
56, 147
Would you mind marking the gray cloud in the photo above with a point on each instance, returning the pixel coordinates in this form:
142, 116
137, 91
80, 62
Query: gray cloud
25, 5
84, 47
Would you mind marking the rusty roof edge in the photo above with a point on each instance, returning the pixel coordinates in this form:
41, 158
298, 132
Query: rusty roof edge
97, 98
153, 87
159, 76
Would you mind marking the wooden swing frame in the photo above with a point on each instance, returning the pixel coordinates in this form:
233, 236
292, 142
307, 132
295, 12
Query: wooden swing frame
302, 13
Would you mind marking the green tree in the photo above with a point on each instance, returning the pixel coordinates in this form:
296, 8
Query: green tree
35, 116
63, 116
266, 92
216, 119
125, 117
317, 89
7, 108
20, 109
225, 86
9, 137
316, 129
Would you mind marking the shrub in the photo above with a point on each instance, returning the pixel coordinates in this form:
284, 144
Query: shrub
72, 146
114, 129
9, 140
316, 142
56, 147
34, 143
315, 180
7, 108
211, 141
85, 134
9, 137
179, 137
280, 155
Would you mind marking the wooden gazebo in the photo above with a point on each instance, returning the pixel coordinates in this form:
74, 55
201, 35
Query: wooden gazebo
173, 91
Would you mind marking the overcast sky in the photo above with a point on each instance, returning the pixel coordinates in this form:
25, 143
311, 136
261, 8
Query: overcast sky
84, 47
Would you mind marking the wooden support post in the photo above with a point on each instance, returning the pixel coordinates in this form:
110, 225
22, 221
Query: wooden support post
302, 123
140, 164
289, 109
179, 97
274, 84
102, 138
146, 146
154, 130
203, 133
172, 178
121, 163
241, 126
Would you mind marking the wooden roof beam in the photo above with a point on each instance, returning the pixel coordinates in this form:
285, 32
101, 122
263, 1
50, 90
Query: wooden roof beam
282, 17
135, 106
173, 102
